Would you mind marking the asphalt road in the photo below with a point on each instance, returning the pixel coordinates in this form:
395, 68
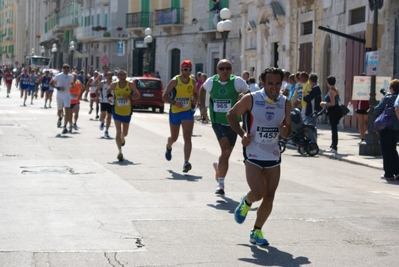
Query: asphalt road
65, 200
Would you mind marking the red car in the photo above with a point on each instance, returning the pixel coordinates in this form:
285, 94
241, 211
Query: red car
151, 90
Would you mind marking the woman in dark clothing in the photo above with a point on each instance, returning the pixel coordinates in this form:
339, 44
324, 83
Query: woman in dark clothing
389, 136
331, 101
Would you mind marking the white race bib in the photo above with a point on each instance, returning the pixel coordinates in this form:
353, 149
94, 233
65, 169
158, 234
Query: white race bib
266, 135
122, 102
183, 100
74, 96
221, 105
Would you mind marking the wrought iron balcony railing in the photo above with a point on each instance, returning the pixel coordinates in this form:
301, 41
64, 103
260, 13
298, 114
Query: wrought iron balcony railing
139, 20
169, 16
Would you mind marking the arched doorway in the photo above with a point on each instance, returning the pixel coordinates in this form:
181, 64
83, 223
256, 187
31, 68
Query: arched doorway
175, 62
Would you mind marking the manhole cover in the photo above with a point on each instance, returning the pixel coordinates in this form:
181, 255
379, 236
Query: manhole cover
46, 170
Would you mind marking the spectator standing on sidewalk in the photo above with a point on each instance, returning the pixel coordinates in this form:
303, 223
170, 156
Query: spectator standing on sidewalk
389, 137
361, 107
331, 101
313, 100
253, 87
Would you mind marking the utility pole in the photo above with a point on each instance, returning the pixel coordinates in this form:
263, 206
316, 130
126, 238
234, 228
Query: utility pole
372, 146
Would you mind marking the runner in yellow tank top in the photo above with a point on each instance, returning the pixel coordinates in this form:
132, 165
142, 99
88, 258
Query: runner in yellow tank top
181, 93
124, 92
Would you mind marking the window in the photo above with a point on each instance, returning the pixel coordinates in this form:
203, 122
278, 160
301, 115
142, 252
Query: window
307, 28
357, 15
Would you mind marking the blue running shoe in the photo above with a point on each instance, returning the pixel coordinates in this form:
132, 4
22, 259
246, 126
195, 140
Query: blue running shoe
241, 211
102, 126
256, 237
168, 154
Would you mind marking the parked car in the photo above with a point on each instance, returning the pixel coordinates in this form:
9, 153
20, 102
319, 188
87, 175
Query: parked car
150, 90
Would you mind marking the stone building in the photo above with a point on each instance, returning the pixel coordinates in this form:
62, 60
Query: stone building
180, 30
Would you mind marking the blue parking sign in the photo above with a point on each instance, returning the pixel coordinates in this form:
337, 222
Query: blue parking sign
121, 48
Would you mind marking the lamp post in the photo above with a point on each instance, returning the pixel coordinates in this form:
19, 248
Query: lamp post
372, 147
32, 51
42, 50
54, 51
72, 49
148, 41
224, 27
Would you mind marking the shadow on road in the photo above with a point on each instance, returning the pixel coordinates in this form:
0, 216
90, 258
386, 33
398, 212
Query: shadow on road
227, 204
271, 256
125, 162
179, 177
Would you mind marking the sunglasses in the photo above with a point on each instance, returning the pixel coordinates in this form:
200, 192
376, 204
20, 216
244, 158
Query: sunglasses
65, 67
185, 69
224, 68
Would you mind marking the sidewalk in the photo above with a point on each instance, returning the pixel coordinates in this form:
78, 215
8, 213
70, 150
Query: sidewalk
348, 147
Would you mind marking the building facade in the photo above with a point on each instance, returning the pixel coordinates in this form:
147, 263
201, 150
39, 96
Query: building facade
8, 31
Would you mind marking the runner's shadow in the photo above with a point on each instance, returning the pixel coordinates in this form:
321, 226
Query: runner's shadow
62, 136
125, 162
188, 177
271, 256
227, 204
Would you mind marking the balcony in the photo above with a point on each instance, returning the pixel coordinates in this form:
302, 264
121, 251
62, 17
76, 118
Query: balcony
169, 19
68, 22
111, 34
102, 2
137, 22
47, 37
84, 33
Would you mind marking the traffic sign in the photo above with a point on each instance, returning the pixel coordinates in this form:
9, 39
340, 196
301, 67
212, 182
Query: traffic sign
80, 55
372, 63
105, 60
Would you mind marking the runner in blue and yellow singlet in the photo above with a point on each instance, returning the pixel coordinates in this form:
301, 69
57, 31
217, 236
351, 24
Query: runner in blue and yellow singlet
124, 92
181, 93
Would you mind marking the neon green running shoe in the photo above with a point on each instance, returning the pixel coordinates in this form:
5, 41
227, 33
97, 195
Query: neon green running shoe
241, 211
256, 237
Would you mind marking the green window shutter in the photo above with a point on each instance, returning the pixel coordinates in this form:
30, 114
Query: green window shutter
145, 13
98, 19
224, 3
175, 3
106, 20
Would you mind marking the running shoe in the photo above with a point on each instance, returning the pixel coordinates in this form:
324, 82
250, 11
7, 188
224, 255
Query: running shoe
219, 190
49, 105
75, 127
101, 126
241, 211
120, 156
168, 153
64, 130
24, 105
186, 167
256, 237
70, 129
106, 135
216, 167
122, 141
90, 111
45, 106
97, 117
59, 122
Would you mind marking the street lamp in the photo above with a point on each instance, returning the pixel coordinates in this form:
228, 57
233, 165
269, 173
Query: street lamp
72, 49
42, 50
32, 51
224, 27
54, 51
148, 41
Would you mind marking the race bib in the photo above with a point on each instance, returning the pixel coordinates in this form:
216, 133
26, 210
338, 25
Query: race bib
185, 101
45, 84
266, 135
221, 105
122, 102
74, 96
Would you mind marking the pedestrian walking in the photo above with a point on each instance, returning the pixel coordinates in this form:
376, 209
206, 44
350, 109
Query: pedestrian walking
224, 89
266, 117
181, 93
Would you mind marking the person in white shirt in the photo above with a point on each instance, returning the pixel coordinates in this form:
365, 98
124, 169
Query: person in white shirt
253, 87
62, 82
